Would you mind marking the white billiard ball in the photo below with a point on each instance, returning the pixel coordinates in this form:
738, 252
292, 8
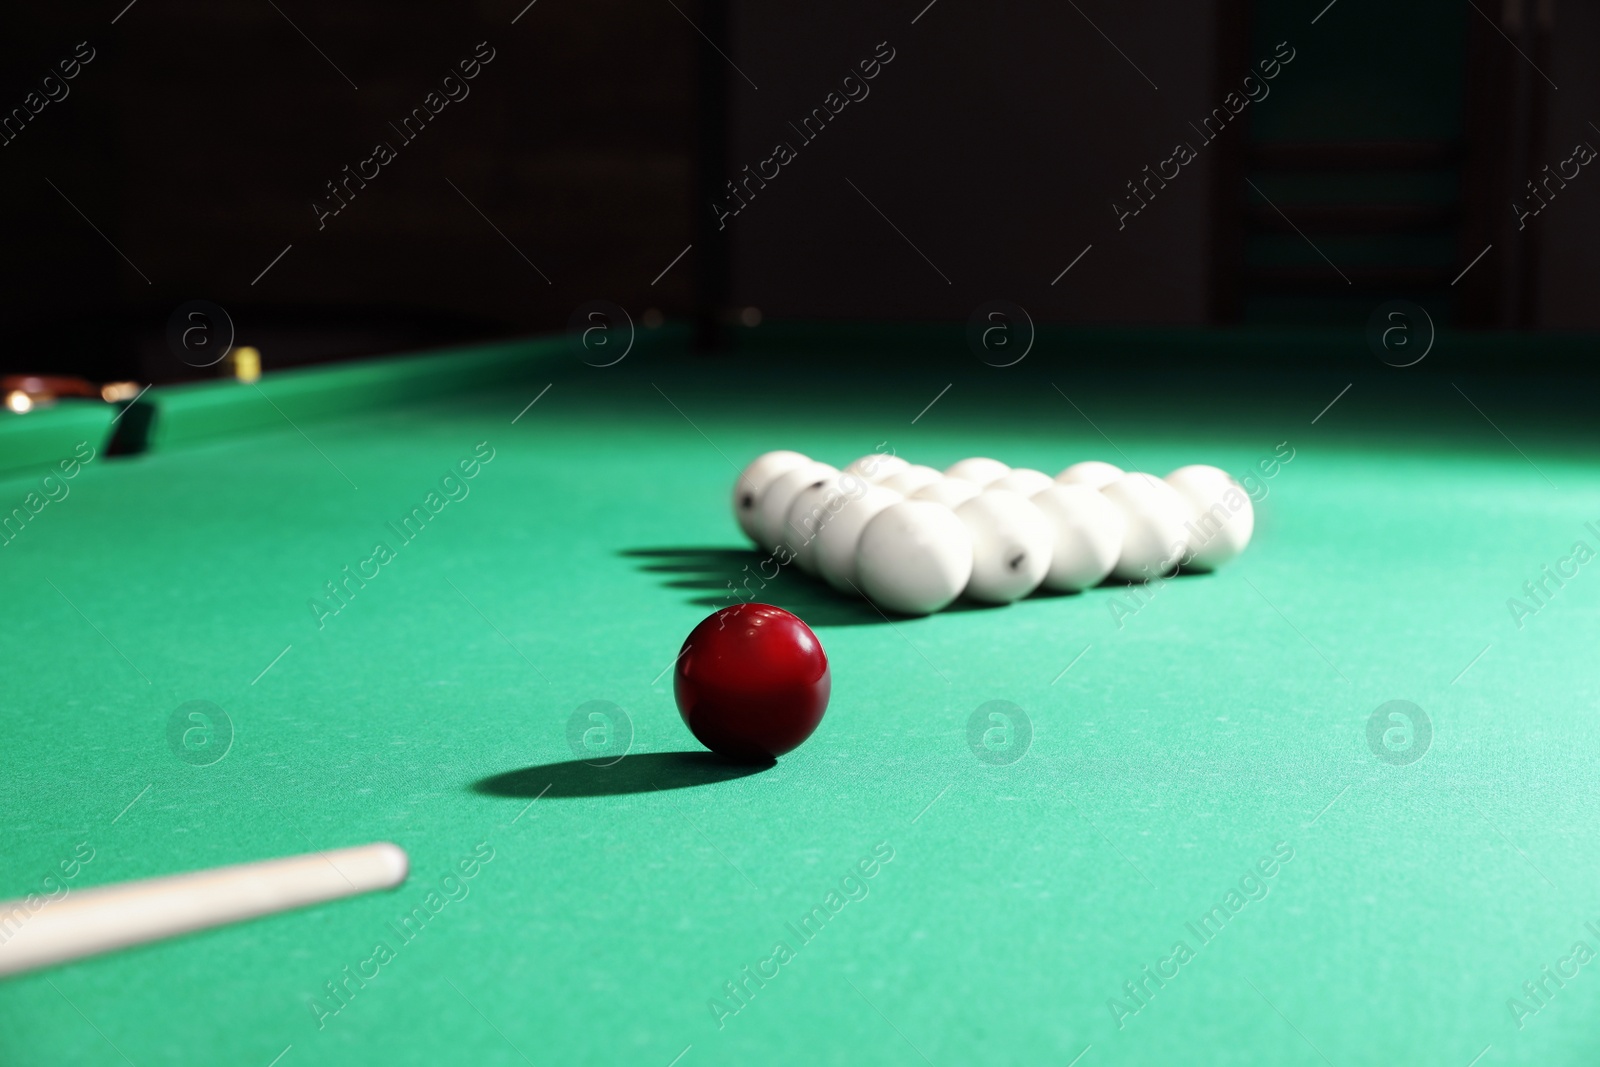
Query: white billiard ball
1023, 481
877, 466
1088, 535
1222, 517
914, 558
977, 469
813, 509
1091, 472
951, 492
1156, 540
840, 537
772, 506
1011, 545
913, 477
747, 488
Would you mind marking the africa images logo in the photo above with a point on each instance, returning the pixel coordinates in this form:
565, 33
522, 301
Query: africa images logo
452, 486
52, 90
452, 89
453, 887
53, 489
1183, 153
1539, 591
1251, 887
853, 887
852, 89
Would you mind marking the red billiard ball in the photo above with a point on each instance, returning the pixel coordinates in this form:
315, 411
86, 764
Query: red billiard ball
752, 681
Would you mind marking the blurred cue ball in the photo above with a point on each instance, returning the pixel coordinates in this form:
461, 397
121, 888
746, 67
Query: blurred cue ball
772, 509
1091, 472
876, 467
915, 557
1222, 517
814, 510
1156, 539
911, 478
753, 480
1088, 529
840, 537
951, 492
1022, 480
1011, 545
978, 469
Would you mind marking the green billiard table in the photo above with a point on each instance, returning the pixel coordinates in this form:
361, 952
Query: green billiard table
1333, 803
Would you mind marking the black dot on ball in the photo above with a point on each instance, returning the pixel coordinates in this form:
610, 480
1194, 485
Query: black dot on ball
1016, 562
748, 500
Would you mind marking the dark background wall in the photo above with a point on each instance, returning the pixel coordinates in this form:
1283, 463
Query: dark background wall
996, 141
1000, 137
200, 135
1569, 260
198, 138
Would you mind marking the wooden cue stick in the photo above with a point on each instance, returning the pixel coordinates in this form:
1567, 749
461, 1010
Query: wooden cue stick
91, 921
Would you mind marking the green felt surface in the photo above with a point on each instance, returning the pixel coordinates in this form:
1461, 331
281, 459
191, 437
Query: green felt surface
182, 414
35, 443
1223, 720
